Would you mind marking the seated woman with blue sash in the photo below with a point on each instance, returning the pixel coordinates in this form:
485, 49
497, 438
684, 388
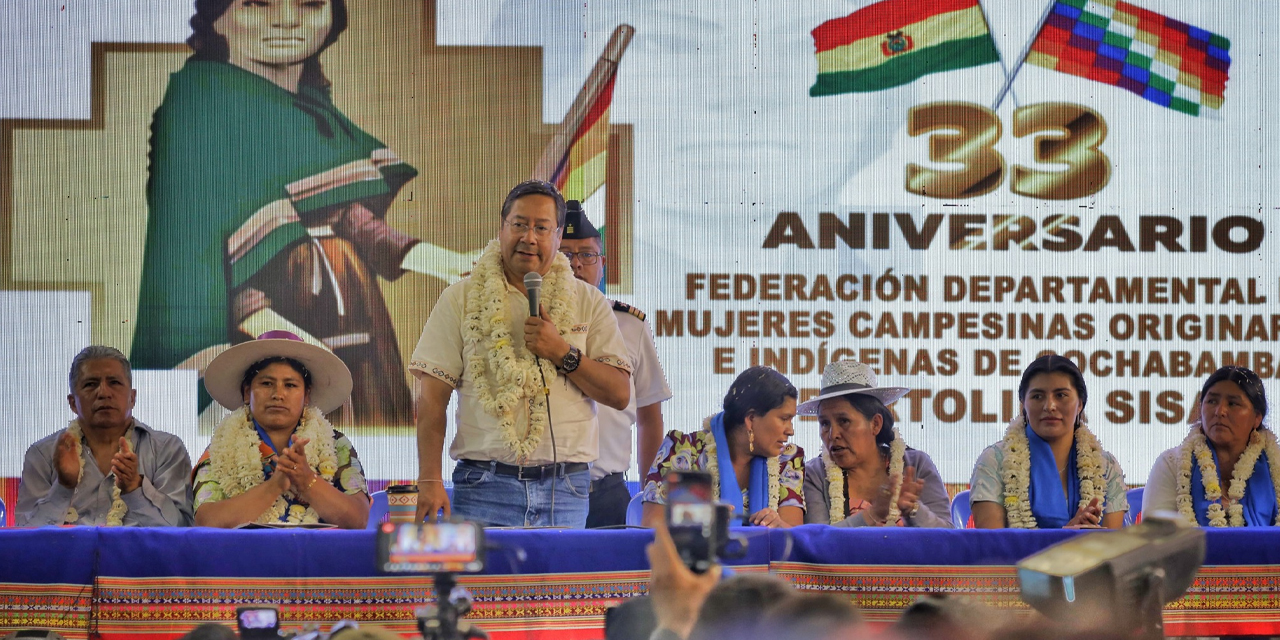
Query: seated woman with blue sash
1049, 471
745, 450
1222, 474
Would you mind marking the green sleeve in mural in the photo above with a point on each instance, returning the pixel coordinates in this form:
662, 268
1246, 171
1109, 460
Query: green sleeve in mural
262, 198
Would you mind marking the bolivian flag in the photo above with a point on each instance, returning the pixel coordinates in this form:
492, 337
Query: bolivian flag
894, 42
582, 169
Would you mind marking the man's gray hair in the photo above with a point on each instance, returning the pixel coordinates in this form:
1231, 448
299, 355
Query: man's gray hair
97, 352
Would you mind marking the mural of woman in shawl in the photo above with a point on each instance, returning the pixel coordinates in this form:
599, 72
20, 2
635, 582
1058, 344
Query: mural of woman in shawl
267, 206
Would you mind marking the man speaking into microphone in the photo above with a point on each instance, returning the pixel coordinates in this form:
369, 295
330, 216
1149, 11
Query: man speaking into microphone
527, 384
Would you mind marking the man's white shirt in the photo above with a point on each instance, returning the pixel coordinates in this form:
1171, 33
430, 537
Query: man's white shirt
648, 386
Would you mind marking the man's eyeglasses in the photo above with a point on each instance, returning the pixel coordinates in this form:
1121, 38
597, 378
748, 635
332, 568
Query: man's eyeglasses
523, 228
587, 257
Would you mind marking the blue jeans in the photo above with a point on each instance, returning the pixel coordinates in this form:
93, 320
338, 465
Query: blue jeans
480, 495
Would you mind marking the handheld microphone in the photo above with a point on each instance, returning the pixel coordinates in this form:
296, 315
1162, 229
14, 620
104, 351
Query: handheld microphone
533, 284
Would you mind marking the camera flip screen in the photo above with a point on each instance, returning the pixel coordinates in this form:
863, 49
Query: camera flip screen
695, 516
691, 518
258, 622
430, 548
258, 619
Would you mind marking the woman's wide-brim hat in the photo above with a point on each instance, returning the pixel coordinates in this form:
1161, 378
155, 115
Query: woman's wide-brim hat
848, 377
330, 377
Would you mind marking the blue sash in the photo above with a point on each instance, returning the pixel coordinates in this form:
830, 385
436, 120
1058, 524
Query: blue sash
730, 489
1052, 509
1258, 503
266, 437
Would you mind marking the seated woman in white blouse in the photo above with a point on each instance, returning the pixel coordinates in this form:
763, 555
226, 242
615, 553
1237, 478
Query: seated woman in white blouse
1228, 448
1049, 471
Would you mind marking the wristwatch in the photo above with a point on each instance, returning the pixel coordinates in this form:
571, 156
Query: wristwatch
571, 360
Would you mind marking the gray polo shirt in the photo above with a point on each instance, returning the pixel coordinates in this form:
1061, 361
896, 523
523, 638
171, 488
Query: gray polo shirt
163, 499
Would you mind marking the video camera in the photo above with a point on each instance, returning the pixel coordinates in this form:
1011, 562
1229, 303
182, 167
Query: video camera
444, 549
699, 527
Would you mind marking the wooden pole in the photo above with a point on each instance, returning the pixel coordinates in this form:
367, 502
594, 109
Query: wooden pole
606, 66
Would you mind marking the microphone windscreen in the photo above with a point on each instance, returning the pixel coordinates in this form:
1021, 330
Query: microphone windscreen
533, 284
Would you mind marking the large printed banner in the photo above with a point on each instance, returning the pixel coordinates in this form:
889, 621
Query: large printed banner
942, 189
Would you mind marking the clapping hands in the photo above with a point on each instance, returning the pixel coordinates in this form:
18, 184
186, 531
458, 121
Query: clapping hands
124, 465
293, 469
1087, 517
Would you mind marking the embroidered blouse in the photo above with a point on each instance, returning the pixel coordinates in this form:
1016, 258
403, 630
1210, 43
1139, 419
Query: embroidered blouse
348, 479
688, 452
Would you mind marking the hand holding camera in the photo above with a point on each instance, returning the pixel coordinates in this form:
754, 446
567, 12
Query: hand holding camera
698, 527
677, 591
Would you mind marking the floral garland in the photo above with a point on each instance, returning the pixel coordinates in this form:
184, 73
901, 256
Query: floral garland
115, 516
235, 462
1195, 445
836, 481
835, 487
1015, 471
495, 359
773, 464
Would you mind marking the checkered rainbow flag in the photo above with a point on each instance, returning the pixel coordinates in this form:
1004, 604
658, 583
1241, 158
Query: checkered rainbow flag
1168, 62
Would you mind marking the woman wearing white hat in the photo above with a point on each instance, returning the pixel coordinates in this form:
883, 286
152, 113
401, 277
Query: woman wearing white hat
1049, 471
276, 459
867, 476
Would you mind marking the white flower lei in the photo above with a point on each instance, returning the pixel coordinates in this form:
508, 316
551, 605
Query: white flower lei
236, 464
115, 516
835, 487
836, 480
495, 358
1015, 471
773, 464
1196, 445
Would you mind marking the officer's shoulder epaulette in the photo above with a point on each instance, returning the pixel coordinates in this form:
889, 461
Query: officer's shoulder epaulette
622, 306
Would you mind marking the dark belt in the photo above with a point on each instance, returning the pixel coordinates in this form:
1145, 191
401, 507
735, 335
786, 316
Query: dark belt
617, 477
559, 469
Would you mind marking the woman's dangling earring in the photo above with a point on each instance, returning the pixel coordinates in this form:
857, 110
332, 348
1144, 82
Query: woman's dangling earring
751, 441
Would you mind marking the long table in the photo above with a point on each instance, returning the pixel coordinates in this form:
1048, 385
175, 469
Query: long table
159, 583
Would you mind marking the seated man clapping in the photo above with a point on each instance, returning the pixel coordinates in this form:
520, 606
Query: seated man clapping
106, 467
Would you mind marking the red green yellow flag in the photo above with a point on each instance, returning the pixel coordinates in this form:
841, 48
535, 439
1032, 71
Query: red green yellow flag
894, 42
582, 169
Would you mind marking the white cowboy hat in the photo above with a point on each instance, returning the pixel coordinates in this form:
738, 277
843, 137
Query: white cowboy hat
847, 377
330, 377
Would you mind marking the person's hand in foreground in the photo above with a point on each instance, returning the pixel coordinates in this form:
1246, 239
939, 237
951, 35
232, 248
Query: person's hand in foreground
677, 592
